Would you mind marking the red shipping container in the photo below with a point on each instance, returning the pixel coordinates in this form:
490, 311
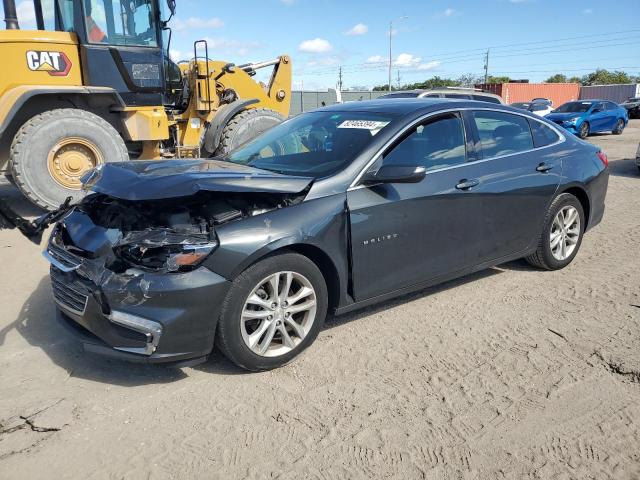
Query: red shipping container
558, 93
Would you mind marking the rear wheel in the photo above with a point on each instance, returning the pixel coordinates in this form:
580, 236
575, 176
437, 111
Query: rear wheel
561, 235
53, 150
245, 126
619, 127
583, 131
274, 310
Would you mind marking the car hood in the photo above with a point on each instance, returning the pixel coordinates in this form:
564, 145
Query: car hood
152, 180
564, 116
630, 104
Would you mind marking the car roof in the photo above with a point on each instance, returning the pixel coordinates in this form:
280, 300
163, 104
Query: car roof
404, 106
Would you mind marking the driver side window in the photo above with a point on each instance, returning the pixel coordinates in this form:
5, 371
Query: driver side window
121, 22
434, 144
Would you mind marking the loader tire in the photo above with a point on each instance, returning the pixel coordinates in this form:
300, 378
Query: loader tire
52, 150
245, 126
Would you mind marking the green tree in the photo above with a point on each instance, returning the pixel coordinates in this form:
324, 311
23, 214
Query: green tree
493, 79
604, 77
575, 79
469, 80
557, 78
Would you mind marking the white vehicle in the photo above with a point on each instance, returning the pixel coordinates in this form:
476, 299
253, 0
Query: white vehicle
539, 108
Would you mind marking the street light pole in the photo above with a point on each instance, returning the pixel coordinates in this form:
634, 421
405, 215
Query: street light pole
390, 54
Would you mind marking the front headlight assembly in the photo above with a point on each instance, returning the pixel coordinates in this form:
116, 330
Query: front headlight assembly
164, 249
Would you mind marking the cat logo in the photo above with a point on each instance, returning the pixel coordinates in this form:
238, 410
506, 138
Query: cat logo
56, 64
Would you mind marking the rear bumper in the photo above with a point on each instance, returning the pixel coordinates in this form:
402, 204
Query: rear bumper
158, 318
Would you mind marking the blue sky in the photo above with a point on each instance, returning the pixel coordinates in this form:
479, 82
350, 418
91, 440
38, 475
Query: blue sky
529, 38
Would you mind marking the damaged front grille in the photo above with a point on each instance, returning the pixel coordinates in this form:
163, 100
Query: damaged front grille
70, 296
60, 257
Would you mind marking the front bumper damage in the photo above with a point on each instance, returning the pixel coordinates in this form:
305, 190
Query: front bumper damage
136, 316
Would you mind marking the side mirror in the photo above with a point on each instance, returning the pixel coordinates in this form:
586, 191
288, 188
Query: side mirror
395, 174
171, 5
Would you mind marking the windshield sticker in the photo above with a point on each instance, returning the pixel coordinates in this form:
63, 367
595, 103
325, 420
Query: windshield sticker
373, 126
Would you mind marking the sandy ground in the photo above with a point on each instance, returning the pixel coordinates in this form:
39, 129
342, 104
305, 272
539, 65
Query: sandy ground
509, 373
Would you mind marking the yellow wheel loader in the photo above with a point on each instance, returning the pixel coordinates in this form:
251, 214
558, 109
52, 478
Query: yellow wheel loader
94, 84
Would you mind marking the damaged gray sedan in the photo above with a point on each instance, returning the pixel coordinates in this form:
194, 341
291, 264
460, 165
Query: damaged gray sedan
332, 210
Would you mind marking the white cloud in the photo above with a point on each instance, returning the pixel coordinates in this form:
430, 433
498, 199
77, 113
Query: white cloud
450, 12
196, 22
429, 65
587, 11
317, 45
407, 60
26, 15
376, 59
358, 29
176, 55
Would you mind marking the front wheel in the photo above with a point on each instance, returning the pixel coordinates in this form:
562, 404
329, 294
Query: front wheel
53, 150
583, 131
561, 235
273, 311
619, 127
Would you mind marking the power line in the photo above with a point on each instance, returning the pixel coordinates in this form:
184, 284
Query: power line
467, 55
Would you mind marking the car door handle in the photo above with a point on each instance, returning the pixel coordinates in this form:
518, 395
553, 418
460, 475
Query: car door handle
465, 184
543, 167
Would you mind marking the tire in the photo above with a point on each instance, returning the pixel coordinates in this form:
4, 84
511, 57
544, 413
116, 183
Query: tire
245, 126
232, 333
619, 127
544, 257
38, 141
584, 130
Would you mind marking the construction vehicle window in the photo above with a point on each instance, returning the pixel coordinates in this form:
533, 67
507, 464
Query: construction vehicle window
57, 15
121, 22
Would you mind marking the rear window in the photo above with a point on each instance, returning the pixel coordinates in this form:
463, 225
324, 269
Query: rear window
485, 98
400, 95
502, 133
457, 95
542, 134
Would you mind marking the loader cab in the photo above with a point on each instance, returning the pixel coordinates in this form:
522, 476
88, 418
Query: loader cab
120, 44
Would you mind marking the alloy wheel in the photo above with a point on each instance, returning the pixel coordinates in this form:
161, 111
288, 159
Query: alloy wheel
584, 130
278, 314
619, 126
565, 233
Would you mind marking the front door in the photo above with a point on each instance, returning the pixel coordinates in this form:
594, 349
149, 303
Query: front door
402, 234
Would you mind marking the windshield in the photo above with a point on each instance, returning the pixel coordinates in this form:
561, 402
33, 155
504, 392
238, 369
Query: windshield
574, 107
314, 144
634, 99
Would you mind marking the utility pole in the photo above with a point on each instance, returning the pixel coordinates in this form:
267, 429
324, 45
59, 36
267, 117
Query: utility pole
398, 75
390, 57
390, 40
340, 78
486, 67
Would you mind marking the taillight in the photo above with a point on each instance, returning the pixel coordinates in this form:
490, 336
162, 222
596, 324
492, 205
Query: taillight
603, 158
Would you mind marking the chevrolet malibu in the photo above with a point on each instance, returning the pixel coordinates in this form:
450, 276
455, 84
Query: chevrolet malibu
330, 211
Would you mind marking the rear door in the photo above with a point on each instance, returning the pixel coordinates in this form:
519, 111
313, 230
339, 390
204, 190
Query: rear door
599, 118
402, 234
517, 178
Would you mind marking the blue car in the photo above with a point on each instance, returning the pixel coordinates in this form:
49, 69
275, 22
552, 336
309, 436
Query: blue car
588, 116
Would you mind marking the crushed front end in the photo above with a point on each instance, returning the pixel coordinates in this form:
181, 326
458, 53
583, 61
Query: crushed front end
128, 278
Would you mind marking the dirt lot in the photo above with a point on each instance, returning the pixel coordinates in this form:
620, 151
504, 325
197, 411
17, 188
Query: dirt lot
510, 373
